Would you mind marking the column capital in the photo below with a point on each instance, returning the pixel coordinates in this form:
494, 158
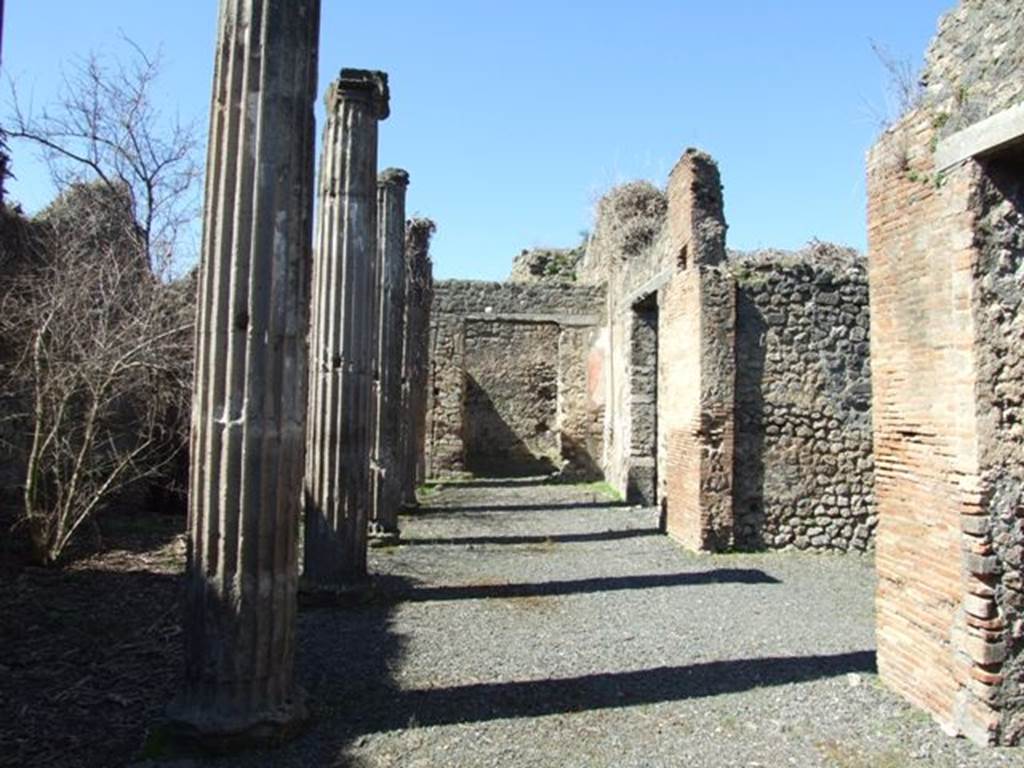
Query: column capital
369, 86
391, 177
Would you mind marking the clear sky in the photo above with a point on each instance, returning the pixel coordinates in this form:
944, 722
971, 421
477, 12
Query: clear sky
512, 118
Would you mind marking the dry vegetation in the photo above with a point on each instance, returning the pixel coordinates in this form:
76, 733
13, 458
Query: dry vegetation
95, 357
98, 361
630, 216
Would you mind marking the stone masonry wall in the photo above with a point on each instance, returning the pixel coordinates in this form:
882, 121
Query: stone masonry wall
975, 64
510, 377
803, 454
511, 405
999, 535
643, 400
473, 297
580, 403
446, 385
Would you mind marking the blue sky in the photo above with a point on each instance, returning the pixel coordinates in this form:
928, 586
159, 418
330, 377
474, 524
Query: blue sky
513, 118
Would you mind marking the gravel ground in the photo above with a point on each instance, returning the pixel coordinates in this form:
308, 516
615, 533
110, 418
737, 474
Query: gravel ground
538, 625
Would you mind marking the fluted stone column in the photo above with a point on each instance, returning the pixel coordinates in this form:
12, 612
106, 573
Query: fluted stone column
342, 336
250, 379
416, 355
386, 479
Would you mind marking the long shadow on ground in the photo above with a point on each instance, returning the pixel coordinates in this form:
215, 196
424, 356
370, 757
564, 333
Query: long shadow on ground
612, 690
399, 590
575, 506
524, 481
346, 658
562, 538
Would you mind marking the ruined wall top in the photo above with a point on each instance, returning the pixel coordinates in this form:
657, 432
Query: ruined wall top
418, 232
822, 258
641, 233
369, 86
696, 213
975, 65
627, 223
546, 265
465, 297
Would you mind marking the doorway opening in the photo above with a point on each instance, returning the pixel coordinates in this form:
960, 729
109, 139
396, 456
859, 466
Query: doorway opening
642, 482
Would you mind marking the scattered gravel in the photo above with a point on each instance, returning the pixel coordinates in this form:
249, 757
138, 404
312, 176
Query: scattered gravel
537, 625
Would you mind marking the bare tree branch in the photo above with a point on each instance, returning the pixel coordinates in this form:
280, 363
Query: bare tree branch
104, 126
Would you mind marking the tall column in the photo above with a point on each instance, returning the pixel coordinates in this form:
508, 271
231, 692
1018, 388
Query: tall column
416, 354
385, 477
342, 336
250, 379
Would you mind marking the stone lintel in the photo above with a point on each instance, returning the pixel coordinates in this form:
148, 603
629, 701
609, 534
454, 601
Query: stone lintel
568, 321
653, 285
366, 85
990, 135
393, 176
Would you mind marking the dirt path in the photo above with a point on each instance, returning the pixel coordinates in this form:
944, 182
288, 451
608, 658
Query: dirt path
517, 625
539, 625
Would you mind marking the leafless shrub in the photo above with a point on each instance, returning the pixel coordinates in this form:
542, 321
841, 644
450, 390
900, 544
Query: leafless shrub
104, 126
97, 354
904, 89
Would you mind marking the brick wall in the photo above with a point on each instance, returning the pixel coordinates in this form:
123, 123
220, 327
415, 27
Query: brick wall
947, 284
922, 258
695, 414
696, 362
679, 412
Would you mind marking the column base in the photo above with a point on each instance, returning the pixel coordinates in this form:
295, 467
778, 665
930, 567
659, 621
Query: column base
187, 730
312, 595
378, 536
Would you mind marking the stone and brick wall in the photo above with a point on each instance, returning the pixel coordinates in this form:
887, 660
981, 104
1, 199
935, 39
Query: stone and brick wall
625, 254
946, 288
803, 455
774, 345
